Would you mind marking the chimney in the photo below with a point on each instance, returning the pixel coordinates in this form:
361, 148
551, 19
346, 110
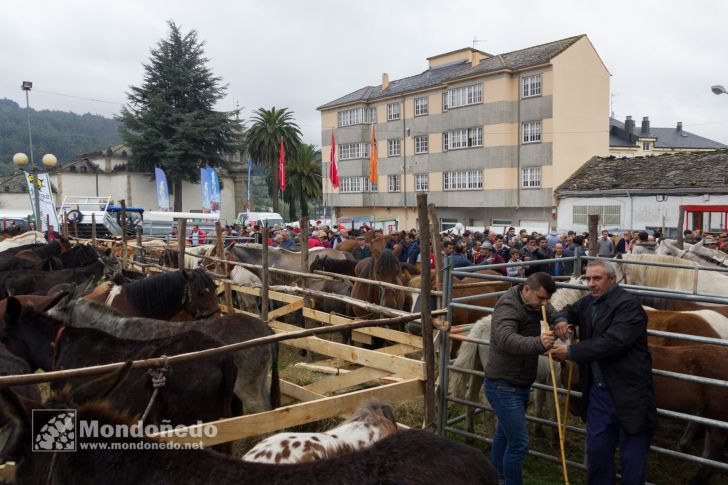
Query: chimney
628, 125
474, 58
385, 80
645, 126
679, 126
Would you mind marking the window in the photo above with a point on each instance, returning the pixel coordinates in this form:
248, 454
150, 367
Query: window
392, 111
422, 144
463, 138
646, 146
610, 214
531, 177
500, 222
393, 147
531, 86
422, 182
349, 151
356, 184
420, 106
357, 116
462, 96
464, 180
531, 132
394, 183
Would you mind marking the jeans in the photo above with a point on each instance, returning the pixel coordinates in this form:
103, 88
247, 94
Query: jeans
603, 433
510, 443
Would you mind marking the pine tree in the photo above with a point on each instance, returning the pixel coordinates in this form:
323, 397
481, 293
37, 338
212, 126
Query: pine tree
169, 121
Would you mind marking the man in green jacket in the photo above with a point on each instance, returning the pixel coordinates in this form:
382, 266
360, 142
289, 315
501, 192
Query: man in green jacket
516, 341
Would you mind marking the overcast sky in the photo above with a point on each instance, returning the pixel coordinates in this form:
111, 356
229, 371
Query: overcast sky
663, 55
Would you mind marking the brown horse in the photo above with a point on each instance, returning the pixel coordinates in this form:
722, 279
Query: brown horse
384, 268
376, 244
178, 295
677, 322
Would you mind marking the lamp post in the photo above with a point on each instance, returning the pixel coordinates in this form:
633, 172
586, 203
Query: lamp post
49, 161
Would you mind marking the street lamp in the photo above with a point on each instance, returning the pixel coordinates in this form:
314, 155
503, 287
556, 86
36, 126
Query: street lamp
718, 89
49, 161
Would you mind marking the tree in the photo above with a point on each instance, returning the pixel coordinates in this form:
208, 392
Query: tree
263, 139
169, 121
303, 175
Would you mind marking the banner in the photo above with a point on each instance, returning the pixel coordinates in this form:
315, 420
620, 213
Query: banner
214, 190
248, 207
162, 189
282, 166
373, 155
333, 166
205, 188
47, 207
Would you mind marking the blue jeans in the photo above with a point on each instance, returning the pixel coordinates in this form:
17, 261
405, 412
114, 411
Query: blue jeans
510, 443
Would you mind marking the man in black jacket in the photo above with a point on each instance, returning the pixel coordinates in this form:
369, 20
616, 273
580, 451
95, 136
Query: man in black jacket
618, 401
516, 341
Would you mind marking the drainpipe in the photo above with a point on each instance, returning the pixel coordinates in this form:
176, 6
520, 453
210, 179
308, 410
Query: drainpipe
518, 154
631, 210
404, 159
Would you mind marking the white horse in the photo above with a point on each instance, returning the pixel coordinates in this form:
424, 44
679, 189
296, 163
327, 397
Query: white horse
370, 423
195, 256
709, 282
30, 237
694, 252
243, 277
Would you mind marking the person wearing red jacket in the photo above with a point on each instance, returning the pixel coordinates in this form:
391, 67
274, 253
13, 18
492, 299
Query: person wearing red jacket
197, 236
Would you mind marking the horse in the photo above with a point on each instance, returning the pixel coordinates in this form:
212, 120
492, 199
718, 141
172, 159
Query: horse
340, 266
30, 237
695, 252
385, 268
182, 295
370, 423
197, 390
406, 457
252, 363
28, 282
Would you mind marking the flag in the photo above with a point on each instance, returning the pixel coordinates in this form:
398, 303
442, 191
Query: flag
333, 167
205, 189
162, 189
214, 190
47, 209
282, 166
373, 158
249, 167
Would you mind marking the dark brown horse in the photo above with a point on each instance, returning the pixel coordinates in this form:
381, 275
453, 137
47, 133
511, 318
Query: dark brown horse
196, 390
178, 295
409, 457
384, 268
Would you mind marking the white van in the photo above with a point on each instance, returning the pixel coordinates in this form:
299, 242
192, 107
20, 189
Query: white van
265, 219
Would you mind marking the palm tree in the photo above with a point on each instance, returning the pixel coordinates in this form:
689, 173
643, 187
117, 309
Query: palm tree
304, 180
263, 139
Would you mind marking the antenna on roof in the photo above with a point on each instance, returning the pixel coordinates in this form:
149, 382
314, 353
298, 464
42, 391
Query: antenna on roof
477, 41
611, 103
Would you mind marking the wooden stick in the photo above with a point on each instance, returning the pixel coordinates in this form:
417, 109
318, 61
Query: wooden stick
190, 356
93, 229
428, 348
556, 404
437, 249
123, 233
264, 278
181, 238
222, 267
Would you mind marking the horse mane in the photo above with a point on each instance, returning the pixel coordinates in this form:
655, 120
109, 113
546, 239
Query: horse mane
159, 296
387, 264
411, 268
342, 266
376, 413
566, 296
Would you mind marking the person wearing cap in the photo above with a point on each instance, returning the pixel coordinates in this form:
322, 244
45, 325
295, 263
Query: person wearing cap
313, 239
362, 250
393, 241
488, 256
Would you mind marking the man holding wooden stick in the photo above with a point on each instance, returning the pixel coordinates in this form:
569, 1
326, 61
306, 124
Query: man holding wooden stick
618, 402
516, 341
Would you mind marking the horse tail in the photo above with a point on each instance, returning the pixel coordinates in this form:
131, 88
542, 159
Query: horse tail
275, 384
467, 359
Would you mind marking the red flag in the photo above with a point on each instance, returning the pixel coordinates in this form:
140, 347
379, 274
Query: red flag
373, 158
333, 167
282, 166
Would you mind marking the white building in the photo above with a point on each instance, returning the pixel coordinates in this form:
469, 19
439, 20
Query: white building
105, 174
647, 192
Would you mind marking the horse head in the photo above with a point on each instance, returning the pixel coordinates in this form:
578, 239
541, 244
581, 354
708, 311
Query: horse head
200, 296
388, 269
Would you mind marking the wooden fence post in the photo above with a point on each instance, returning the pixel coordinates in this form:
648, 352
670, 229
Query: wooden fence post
123, 233
681, 228
428, 347
264, 278
64, 231
436, 248
222, 267
93, 229
181, 238
593, 234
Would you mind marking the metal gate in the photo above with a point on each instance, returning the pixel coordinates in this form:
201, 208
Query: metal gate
447, 424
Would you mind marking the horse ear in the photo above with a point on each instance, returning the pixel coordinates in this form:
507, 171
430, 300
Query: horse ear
52, 301
187, 274
101, 387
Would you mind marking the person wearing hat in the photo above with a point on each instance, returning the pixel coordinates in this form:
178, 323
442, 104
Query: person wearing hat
488, 256
710, 242
324, 238
393, 241
313, 238
362, 250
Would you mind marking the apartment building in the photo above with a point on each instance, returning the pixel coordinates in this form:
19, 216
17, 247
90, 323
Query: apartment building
628, 140
488, 137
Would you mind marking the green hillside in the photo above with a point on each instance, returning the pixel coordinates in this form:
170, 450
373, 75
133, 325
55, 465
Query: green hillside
61, 133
